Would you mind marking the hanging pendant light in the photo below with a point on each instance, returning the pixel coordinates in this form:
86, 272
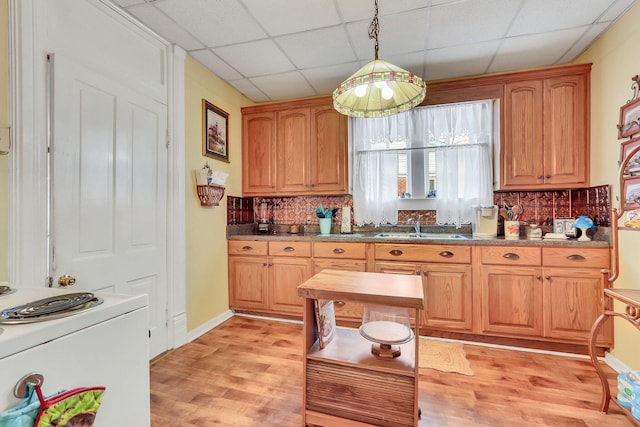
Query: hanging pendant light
379, 88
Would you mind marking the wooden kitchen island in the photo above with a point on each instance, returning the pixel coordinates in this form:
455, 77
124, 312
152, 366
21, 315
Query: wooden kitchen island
344, 383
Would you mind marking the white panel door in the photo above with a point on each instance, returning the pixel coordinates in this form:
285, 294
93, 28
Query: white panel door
108, 189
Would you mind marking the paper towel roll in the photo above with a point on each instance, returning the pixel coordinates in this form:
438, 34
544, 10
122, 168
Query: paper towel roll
345, 223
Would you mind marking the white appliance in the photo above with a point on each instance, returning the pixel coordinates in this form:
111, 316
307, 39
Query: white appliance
485, 221
105, 345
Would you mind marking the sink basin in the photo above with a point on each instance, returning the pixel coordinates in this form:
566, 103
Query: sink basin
427, 236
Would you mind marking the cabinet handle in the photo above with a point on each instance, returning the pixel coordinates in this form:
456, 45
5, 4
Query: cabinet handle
539, 277
446, 254
511, 256
270, 265
575, 257
247, 248
424, 273
396, 252
338, 251
339, 303
547, 176
547, 277
289, 249
417, 272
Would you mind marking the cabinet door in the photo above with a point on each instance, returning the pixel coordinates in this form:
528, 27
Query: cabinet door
512, 300
293, 151
566, 148
448, 297
572, 302
522, 155
258, 153
328, 151
285, 275
248, 277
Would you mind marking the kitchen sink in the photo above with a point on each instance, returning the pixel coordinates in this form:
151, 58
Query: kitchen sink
426, 236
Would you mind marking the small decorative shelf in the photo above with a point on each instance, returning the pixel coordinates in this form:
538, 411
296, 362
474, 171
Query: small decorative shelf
210, 195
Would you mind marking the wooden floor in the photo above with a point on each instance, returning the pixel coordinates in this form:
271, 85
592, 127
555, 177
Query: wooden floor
248, 372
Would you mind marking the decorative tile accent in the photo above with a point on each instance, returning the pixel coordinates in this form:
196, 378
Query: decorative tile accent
539, 207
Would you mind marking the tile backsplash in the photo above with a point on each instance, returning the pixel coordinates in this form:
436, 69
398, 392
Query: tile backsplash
539, 206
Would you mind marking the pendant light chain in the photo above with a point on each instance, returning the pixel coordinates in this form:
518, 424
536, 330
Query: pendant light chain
374, 29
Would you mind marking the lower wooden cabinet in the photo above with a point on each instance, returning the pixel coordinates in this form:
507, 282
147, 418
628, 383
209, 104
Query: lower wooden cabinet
545, 293
259, 282
447, 282
558, 299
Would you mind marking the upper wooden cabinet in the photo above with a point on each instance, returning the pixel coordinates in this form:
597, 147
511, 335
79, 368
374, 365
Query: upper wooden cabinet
546, 128
294, 148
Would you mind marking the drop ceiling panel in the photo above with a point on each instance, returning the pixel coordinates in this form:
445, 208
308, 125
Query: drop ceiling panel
280, 17
214, 22
163, 25
356, 10
325, 79
539, 16
305, 52
255, 58
459, 61
249, 90
284, 86
470, 22
215, 64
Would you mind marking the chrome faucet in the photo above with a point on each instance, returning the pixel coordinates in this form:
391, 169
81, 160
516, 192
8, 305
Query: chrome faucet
416, 224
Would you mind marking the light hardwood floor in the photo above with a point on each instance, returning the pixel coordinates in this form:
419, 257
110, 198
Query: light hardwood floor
248, 372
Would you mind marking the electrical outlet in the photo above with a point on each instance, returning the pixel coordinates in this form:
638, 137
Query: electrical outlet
5, 143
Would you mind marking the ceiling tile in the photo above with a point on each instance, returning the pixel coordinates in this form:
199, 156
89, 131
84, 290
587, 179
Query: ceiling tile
316, 48
214, 22
536, 50
473, 21
163, 25
255, 58
215, 64
280, 17
127, 3
459, 61
249, 90
391, 41
284, 86
592, 33
356, 10
537, 16
615, 10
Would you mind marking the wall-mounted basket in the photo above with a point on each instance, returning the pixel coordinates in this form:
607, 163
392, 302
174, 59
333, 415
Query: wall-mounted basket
210, 195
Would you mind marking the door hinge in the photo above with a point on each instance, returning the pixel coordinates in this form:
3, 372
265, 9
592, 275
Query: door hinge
50, 282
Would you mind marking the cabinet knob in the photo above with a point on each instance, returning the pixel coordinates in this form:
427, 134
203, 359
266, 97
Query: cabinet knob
417, 272
511, 256
247, 248
576, 257
396, 252
539, 277
547, 277
446, 254
289, 249
547, 176
339, 303
424, 273
338, 251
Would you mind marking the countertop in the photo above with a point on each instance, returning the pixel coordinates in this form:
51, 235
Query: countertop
246, 232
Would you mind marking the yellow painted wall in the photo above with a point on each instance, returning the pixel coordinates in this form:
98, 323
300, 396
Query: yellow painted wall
615, 61
4, 122
206, 263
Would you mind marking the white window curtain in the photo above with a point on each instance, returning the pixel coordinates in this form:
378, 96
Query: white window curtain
461, 134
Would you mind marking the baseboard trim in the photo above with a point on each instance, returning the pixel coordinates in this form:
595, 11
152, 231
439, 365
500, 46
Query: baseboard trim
206, 327
615, 363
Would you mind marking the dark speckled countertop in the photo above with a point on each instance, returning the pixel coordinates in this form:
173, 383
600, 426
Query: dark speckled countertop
369, 235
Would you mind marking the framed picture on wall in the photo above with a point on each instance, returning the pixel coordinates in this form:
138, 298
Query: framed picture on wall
629, 119
629, 148
215, 139
631, 191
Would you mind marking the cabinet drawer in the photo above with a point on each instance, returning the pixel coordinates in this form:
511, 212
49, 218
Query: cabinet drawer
511, 255
576, 257
429, 253
247, 247
339, 250
298, 249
